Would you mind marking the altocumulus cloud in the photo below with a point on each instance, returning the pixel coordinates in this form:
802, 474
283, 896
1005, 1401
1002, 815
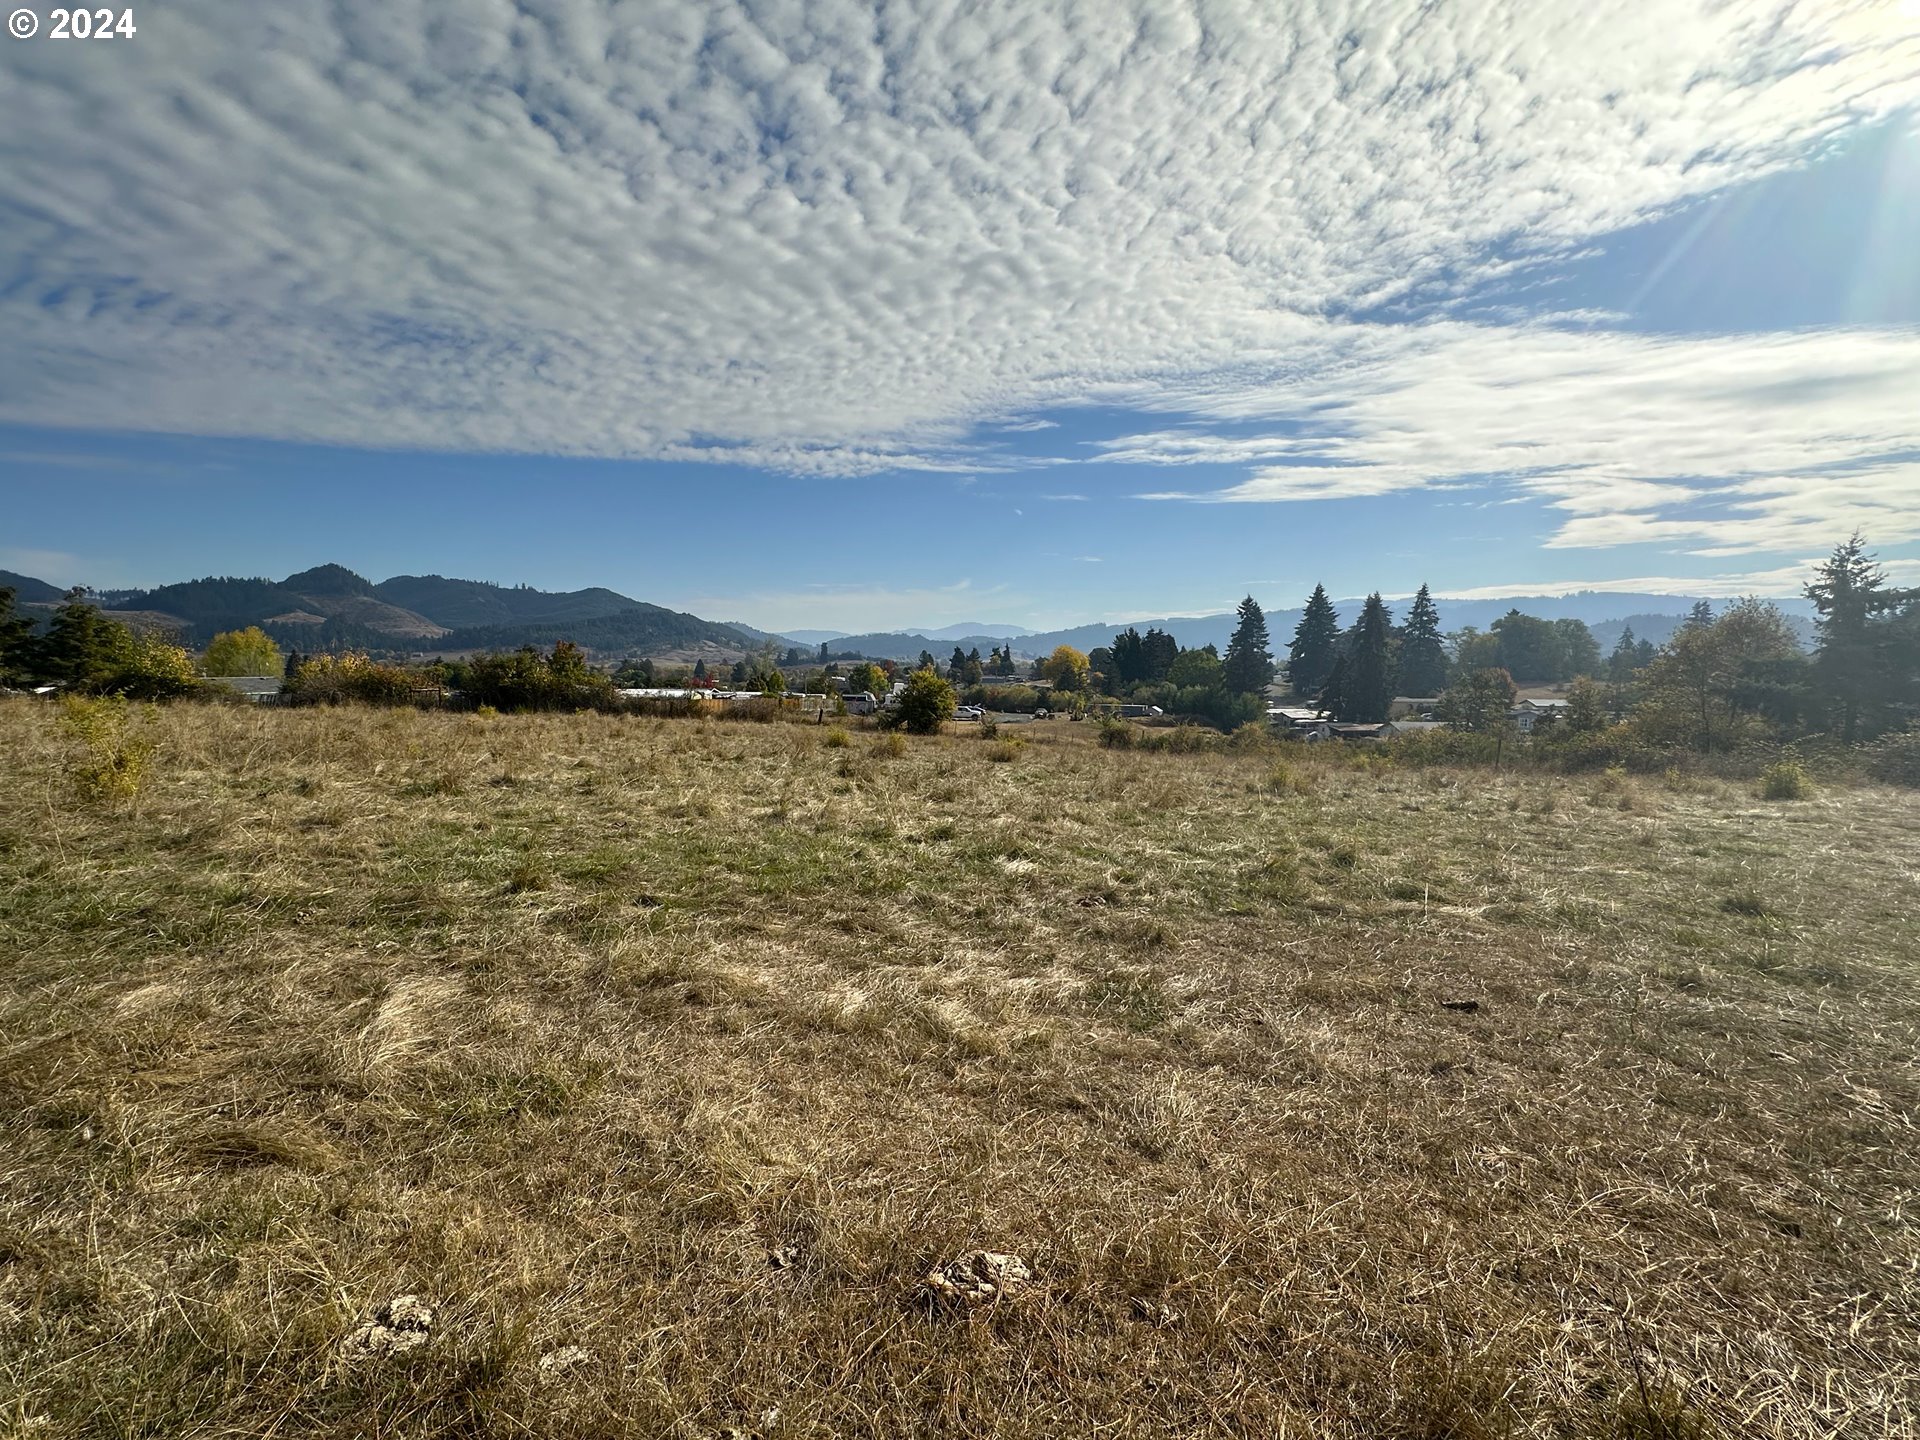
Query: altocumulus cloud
833, 238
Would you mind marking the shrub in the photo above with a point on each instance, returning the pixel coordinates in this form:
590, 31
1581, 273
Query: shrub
1253, 735
339, 679
1785, 781
1118, 734
528, 680
989, 729
114, 765
890, 746
836, 739
927, 703
1002, 751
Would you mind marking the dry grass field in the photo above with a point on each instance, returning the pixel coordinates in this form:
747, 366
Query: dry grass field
661, 1060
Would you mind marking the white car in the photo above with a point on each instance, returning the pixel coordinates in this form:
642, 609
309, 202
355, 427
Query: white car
969, 712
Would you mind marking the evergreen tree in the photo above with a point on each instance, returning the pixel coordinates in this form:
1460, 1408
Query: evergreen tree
1316, 641
926, 660
82, 647
1852, 666
1249, 660
699, 670
1423, 655
295, 660
1701, 614
823, 652
957, 667
1129, 660
16, 643
1623, 661
1332, 698
1367, 693
1158, 651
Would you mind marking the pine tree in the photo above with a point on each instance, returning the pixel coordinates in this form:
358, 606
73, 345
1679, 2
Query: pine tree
1852, 667
1315, 646
1623, 661
1368, 692
15, 642
82, 647
957, 666
1423, 655
1158, 651
1332, 696
1249, 660
1700, 614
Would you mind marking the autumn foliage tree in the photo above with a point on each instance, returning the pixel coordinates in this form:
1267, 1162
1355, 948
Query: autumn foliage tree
243, 652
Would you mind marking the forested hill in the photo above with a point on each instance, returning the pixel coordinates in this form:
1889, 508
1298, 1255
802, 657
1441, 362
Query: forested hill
329, 607
463, 604
27, 590
638, 629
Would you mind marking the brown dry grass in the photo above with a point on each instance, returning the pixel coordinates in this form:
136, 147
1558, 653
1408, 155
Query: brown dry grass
575, 1026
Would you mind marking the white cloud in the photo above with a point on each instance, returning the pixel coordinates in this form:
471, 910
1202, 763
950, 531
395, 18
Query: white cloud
798, 237
1718, 446
1783, 581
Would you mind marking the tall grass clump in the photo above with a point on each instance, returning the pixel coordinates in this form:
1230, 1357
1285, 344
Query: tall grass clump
1785, 781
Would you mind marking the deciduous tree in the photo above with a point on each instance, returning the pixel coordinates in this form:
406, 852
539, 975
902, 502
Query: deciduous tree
243, 652
1067, 668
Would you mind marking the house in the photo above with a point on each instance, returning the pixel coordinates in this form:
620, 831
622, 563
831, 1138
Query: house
1531, 715
259, 689
1412, 707
1357, 733
1395, 728
1298, 721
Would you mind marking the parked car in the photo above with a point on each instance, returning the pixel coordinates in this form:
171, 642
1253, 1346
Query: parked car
970, 712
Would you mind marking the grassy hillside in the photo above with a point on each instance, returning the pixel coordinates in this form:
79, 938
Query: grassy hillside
662, 1059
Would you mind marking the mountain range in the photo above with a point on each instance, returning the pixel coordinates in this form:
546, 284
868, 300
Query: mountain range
329, 606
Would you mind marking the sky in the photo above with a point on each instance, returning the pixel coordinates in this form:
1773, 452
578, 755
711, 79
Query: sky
911, 313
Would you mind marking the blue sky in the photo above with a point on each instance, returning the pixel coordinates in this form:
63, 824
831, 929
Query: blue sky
1061, 313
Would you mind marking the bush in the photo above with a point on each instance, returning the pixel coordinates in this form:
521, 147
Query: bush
1253, 735
926, 704
340, 679
114, 765
528, 680
1785, 781
1117, 734
836, 739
